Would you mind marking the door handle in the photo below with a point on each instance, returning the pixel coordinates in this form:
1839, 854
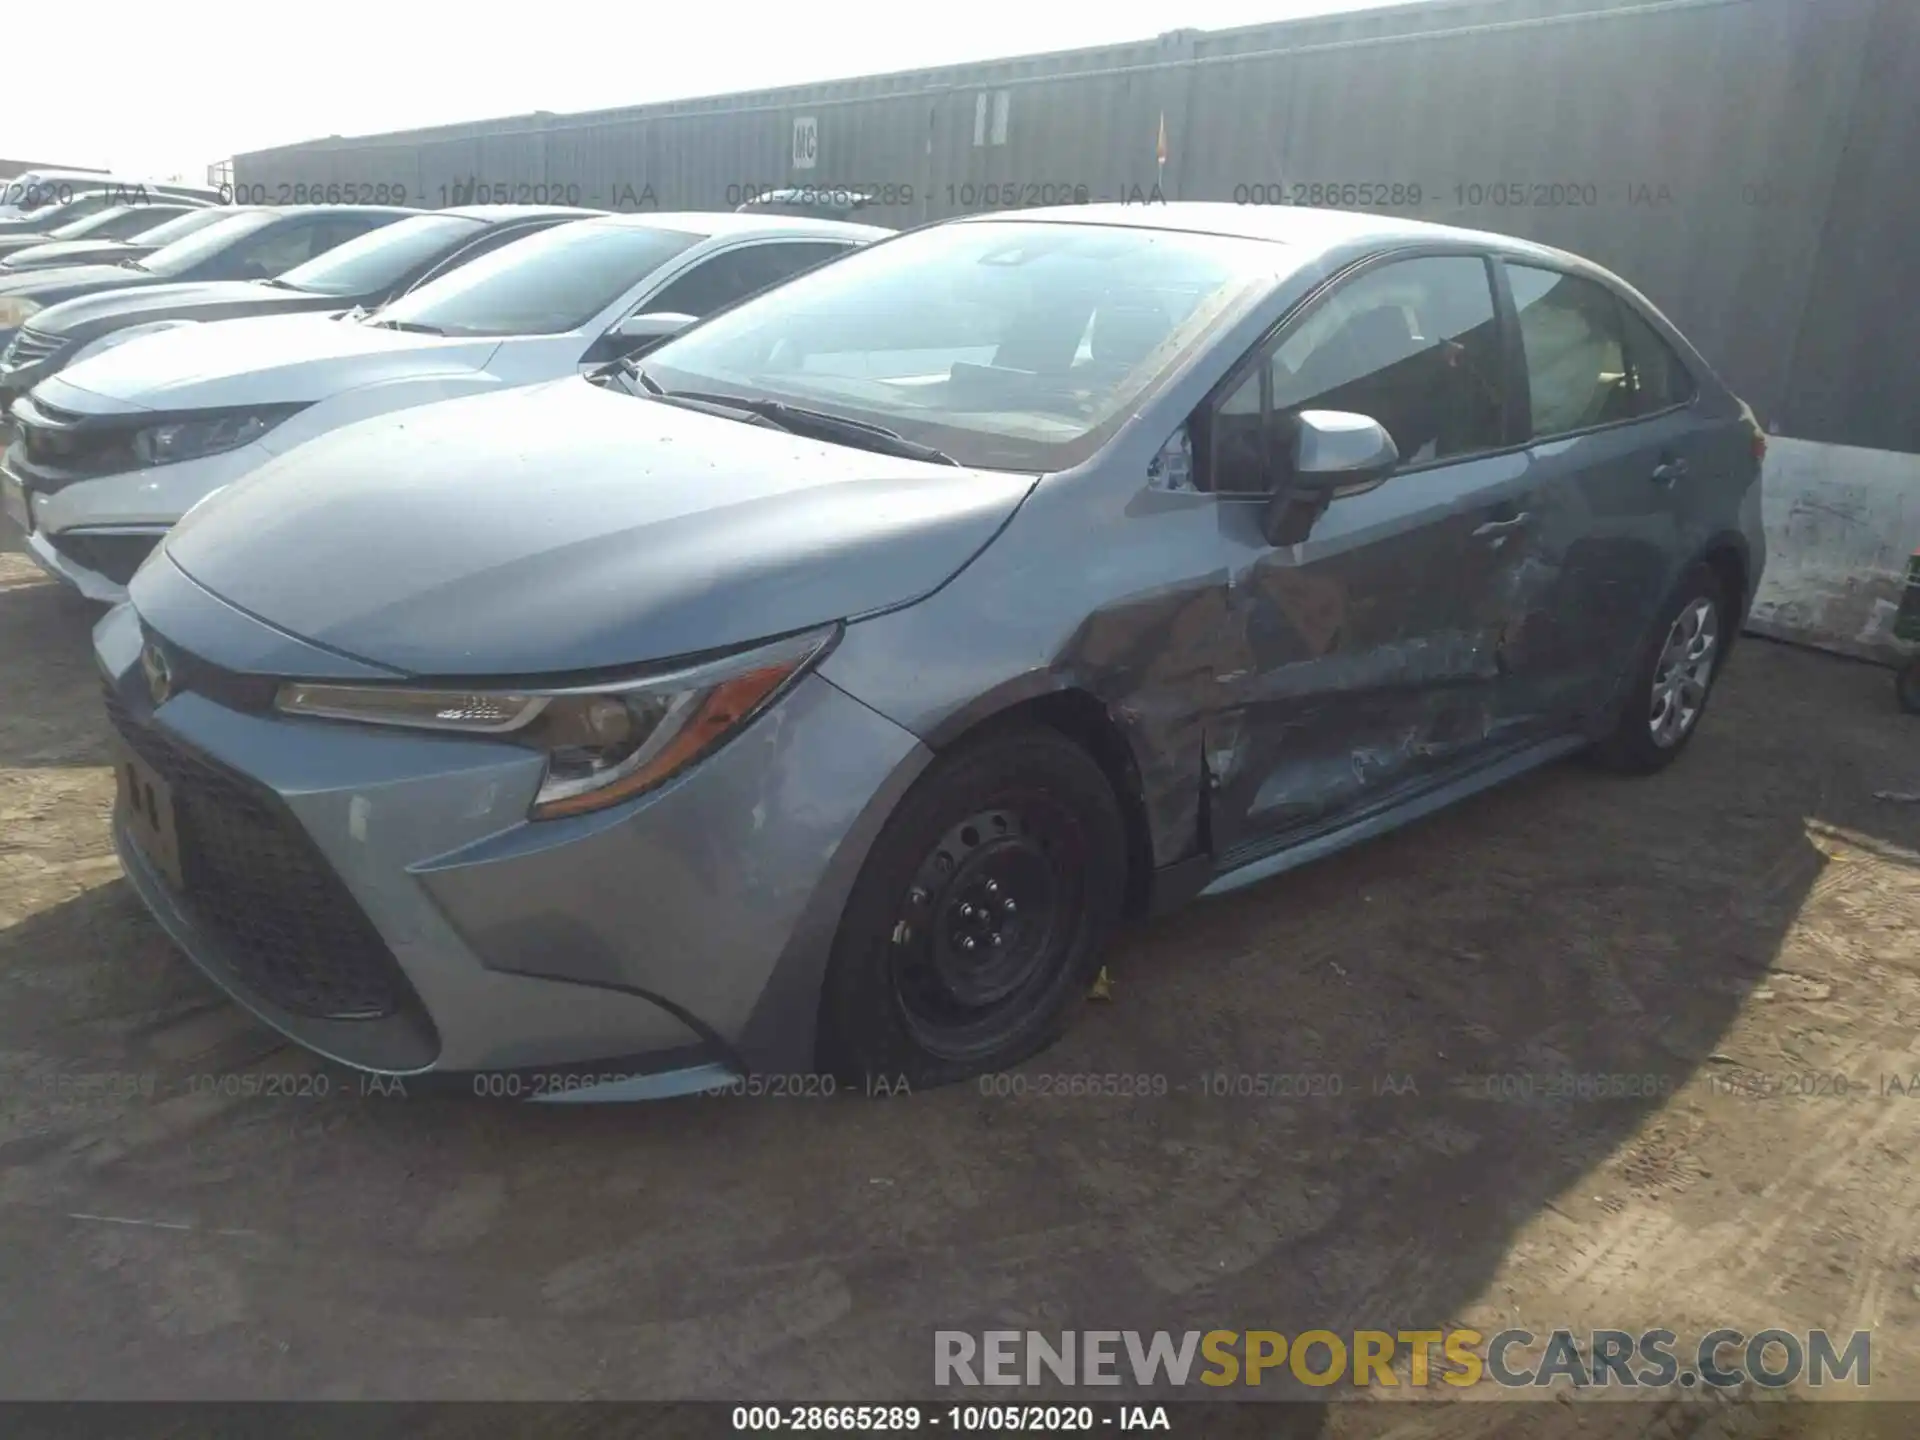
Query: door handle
1502, 527
1668, 471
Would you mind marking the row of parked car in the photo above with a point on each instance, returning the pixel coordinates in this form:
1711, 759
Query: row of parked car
416, 306
612, 656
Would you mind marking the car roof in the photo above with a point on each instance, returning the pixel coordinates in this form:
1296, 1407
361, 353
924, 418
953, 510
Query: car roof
396, 210
832, 191
1299, 225
500, 214
106, 180
729, 224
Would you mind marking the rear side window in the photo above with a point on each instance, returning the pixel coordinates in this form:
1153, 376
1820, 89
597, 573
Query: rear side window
1576, 359
1658, 378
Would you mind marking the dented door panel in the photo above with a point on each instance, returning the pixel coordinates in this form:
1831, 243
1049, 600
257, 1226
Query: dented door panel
1375, 646
1255, 688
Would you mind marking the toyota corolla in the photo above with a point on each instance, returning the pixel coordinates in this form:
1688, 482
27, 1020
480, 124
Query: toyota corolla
814, 695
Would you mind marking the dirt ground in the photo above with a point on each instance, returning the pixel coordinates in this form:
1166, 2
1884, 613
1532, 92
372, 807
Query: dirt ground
1750, 916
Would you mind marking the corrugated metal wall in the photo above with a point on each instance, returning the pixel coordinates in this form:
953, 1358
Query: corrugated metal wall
1746, 163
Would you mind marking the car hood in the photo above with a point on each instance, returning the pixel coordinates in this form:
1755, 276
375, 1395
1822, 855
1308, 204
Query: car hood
566, 527
155, 302
266, 359
69, 252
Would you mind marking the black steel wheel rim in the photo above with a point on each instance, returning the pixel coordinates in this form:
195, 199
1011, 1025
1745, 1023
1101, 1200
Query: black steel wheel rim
986, 928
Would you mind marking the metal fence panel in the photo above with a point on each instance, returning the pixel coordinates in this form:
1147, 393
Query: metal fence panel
1712, 152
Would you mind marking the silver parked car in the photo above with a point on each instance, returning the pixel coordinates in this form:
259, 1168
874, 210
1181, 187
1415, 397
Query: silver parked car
813, 696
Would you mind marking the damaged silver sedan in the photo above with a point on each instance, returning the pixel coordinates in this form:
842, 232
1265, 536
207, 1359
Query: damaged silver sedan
813, 697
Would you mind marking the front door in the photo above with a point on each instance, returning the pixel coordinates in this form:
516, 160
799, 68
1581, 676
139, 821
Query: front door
1375, 642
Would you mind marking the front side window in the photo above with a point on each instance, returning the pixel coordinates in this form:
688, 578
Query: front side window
278, 250
493, 240
736, 274
1007, 344
546, 284
1576, 363
1413, 344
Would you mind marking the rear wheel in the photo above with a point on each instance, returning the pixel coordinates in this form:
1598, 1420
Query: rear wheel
1907, 686
978, 920
1673, 677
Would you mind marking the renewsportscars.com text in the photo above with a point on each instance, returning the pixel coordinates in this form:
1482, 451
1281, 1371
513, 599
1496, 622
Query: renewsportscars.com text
1720, 1359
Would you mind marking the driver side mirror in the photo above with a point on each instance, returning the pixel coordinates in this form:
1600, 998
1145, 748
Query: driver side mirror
1335, 453
639, 333
636, 335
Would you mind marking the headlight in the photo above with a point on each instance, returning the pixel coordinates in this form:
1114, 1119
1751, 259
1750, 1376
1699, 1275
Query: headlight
190, 439
604, 743
16, 310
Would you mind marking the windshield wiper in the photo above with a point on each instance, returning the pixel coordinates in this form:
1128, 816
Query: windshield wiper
799, 420
627, 368
279, 284
129, 264
413, 325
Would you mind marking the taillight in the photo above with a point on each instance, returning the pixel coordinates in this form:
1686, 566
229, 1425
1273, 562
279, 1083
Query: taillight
1752, 422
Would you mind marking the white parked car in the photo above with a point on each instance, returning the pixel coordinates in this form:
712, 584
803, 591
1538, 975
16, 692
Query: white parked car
109, 453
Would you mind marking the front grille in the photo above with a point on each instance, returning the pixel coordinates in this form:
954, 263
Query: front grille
114, 556
291, 931
30, 347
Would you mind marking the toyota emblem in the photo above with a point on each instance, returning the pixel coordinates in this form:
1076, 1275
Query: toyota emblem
153, 661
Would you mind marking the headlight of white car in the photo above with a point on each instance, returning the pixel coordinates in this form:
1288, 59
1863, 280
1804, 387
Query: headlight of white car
16, 310
189, 439
604, 743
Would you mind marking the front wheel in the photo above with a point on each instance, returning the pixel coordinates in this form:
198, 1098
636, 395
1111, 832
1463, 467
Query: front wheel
1673, 677
980, 914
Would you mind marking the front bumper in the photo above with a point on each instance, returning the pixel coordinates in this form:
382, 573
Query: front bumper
655, 946
95, 584
17, 379
107, 514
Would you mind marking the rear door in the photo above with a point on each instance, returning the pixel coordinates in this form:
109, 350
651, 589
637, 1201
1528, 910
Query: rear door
1374, 671
1609, 440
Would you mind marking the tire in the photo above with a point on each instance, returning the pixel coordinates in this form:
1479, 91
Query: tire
1649, 735
1018, 812
1907, 686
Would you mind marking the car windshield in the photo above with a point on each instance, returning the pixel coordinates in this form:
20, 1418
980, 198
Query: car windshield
51, 210
182, 226
183, 255
546, 284
80, 229
371, 263
1012, 345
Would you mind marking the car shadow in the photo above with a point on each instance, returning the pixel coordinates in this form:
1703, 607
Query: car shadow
1467, 1030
